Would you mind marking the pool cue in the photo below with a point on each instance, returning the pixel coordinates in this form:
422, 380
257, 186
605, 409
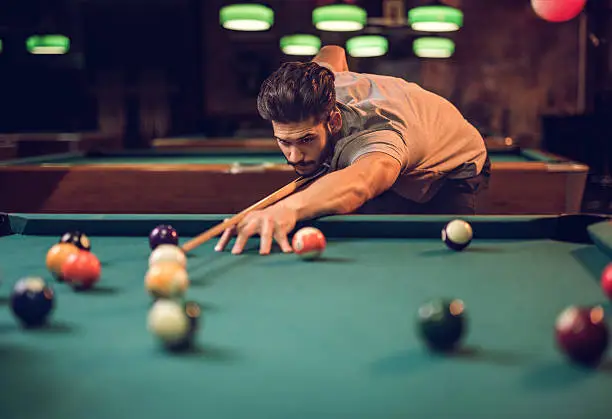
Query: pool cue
235, 220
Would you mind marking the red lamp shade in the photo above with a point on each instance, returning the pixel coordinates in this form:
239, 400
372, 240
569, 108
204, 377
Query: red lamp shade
558, 10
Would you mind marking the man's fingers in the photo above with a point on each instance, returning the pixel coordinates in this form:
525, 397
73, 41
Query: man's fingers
266, 233
283, 242
225, 238
243, 236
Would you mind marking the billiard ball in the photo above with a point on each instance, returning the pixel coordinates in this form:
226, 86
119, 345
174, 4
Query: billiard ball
308, 243
57, 255
77, 238
166, 279
582, 335
168, 253
163, 234
173, 323
457, 235
81, 270
606, 280
32, 301
442, 323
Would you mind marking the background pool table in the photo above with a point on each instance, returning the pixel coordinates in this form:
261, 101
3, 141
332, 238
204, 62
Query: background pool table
336, 338
228, 179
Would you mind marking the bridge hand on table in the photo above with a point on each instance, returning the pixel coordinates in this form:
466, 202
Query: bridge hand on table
273, 223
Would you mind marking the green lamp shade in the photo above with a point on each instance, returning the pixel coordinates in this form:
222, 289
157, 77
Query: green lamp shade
428, 47
48, 44
339, 18
435, 18
367, 46
246, 17
300, 44
0, 45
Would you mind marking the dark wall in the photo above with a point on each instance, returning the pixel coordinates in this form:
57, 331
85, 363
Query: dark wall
155, 68
510, 67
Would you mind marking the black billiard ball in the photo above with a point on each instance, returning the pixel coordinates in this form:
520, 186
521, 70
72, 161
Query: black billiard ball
77, 238
457, 235
582, 334
32, 301
442, 323
163, 234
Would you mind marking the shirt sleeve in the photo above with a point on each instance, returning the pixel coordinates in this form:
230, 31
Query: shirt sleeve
383, 141
326, 65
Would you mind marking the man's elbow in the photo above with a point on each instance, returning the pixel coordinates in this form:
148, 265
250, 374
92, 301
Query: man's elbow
383, 174
369, 187
361, 193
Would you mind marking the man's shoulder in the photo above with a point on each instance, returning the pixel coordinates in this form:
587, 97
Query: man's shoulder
354, 75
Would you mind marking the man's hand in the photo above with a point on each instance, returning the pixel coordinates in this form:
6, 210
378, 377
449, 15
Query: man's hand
273, 223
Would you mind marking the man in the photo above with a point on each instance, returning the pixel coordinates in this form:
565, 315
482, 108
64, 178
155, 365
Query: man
388, 146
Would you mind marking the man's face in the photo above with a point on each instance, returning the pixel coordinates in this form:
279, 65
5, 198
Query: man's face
306, 145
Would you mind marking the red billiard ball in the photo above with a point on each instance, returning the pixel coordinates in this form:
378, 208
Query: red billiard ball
81, 270
308, 243
606, 280
582, 334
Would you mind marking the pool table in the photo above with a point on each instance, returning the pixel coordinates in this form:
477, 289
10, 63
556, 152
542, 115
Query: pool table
229, 179
332, 338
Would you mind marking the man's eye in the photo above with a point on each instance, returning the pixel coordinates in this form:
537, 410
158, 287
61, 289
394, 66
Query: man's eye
307, 140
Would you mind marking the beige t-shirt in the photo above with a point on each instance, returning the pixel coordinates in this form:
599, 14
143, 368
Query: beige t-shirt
423, 131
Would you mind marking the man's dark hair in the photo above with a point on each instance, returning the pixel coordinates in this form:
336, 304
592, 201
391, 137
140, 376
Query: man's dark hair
296, 92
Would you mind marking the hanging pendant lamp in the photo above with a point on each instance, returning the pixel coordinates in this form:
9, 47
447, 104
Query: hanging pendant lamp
367, 46
433, 47
246, 17
339, 17
435, 17
48, 44
300, 44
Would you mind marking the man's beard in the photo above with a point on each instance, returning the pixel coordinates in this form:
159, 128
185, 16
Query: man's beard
310, 167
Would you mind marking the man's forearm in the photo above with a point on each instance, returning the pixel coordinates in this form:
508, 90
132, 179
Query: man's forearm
338, 192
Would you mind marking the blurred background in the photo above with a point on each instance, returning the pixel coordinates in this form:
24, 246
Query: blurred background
130, 74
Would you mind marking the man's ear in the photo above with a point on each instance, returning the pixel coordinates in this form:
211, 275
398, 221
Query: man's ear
335, 121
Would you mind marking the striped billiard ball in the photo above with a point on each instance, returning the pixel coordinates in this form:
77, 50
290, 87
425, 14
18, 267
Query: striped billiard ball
457, 235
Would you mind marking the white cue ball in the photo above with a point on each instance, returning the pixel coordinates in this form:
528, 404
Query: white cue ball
168, 253
457, 234
168, 322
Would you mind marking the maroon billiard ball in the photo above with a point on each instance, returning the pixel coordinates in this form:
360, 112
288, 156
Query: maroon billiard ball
606, 280
582, 334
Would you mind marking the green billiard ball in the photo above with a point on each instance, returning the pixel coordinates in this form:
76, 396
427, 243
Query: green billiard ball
442, 323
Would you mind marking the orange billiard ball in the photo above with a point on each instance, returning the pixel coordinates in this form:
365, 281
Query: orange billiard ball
81, 270
166, 279
308, 243
57, 255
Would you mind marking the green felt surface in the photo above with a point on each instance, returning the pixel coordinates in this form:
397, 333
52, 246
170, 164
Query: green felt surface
196, 159
287, 339
218, 156
509, 158
218, 159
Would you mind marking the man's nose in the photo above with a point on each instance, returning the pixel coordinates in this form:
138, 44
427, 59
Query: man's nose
295, 155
